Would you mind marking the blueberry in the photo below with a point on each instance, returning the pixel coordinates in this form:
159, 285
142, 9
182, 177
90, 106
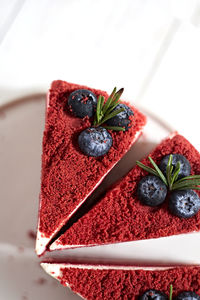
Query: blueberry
184, 203
185, 168
153, 295
151, 190
95, 141
187, 296
82, 103
121, 119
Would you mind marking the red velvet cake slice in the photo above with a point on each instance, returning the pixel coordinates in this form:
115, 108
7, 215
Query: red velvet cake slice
103, 282
68, 175
121, 217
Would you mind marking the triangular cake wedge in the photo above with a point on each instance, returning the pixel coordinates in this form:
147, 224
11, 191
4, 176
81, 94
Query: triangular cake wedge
106, 282
68, 175
120, 217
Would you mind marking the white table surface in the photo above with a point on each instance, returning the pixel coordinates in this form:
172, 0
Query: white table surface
149, 47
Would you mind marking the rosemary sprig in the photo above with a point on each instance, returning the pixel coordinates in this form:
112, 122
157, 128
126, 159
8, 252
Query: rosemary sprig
116, 128
159, 172
146, 168
170, 292
105, 111
171, 178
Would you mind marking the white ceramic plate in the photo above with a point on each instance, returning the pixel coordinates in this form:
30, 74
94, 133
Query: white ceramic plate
21, 126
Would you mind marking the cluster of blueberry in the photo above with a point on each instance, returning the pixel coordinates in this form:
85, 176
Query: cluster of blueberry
183, 201
96, 140
155, 294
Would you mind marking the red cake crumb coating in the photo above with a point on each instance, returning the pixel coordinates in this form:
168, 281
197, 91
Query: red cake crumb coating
120, 216
112, 284
69, 176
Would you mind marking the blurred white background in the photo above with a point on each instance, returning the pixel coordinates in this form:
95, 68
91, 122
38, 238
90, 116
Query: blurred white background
149, 47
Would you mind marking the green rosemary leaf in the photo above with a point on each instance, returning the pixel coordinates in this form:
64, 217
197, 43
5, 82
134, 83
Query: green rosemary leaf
189, 182
105, 111
170, 291
98, 109
99, 104
188, 177
120, 92
159, 172
146, 168
102, 102
117, 96
113, 92
192, 187
111, 108
176, 172
184, 183
113, 105
169, 170
116, 128
101, 113
109, 100
111, 115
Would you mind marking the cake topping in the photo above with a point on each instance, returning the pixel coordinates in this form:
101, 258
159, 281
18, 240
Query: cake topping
95, 141
108, 110
122, 118
188, 296
151, 190
172, 174
185, 168
153, 295
82, 103
184, 204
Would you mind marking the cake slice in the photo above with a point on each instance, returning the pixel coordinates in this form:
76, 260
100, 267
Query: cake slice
121, 217
69, 175
103, 282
